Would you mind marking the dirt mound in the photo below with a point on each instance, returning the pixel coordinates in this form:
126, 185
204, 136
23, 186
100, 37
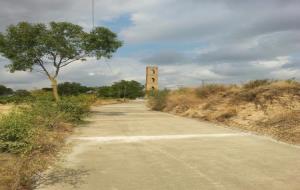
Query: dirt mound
263, 106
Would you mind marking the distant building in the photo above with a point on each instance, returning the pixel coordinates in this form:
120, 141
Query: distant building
151, 79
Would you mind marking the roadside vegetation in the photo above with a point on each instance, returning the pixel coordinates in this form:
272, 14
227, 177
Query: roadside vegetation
267, 107
33, 126
32, 133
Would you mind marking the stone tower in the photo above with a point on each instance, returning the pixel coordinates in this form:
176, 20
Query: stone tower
151, 78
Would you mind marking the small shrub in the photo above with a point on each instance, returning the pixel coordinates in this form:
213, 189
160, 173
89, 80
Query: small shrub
257, 83
227, 115
158, 101
75, 107
206, 90
45, 113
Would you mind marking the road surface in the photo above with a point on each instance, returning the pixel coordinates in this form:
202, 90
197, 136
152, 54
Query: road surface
128, 147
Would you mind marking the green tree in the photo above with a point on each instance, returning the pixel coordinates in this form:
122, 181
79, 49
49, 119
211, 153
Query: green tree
54, 46
122, 89
72, 88
5, 91
105, 91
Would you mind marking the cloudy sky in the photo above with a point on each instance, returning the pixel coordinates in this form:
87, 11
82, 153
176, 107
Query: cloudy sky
228, 41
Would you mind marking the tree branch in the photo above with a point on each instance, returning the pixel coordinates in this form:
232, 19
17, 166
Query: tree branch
44, 68
58, 66
76, 59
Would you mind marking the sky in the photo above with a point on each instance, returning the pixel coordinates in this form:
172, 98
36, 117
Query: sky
227, 41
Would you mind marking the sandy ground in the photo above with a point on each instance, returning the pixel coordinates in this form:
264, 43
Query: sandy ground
127, 147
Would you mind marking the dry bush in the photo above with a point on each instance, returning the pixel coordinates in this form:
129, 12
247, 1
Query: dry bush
257, 83
253, 106
182, 99
210, 89
158, 100
227, 114
265, 93
284, 126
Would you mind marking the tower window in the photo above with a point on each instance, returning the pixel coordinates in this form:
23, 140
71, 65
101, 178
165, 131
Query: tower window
153, 71
153, 79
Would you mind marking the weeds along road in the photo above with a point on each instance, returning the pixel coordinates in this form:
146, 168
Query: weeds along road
127, 147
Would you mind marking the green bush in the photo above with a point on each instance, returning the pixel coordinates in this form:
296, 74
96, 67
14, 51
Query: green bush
75, 107
158, 100
45, 113
16, 131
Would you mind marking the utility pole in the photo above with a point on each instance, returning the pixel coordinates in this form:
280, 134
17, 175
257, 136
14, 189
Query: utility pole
93, 13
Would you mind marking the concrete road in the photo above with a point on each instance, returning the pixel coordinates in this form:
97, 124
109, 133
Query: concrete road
128, 147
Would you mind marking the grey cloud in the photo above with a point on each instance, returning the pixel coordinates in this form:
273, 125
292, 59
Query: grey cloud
235, 34
77, 11
166, 58
241, 71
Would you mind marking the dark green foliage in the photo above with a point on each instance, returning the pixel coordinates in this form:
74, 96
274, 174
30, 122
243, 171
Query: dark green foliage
68, 88
158, 100
28, 44
106, 92
56, 45
122, 89
4, 91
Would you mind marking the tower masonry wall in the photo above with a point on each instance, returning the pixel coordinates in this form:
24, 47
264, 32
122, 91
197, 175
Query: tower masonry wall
151, 78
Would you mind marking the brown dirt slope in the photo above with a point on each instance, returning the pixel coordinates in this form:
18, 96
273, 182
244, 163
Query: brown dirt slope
266, 107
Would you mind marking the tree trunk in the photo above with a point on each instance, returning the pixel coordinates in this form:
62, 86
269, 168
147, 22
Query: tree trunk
54, 89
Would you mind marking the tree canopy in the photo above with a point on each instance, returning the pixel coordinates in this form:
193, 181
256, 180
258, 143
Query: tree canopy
122, 89
72, 88
5, 91
54, 46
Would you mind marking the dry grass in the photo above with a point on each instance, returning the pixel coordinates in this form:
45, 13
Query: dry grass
264, 106
5, 108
